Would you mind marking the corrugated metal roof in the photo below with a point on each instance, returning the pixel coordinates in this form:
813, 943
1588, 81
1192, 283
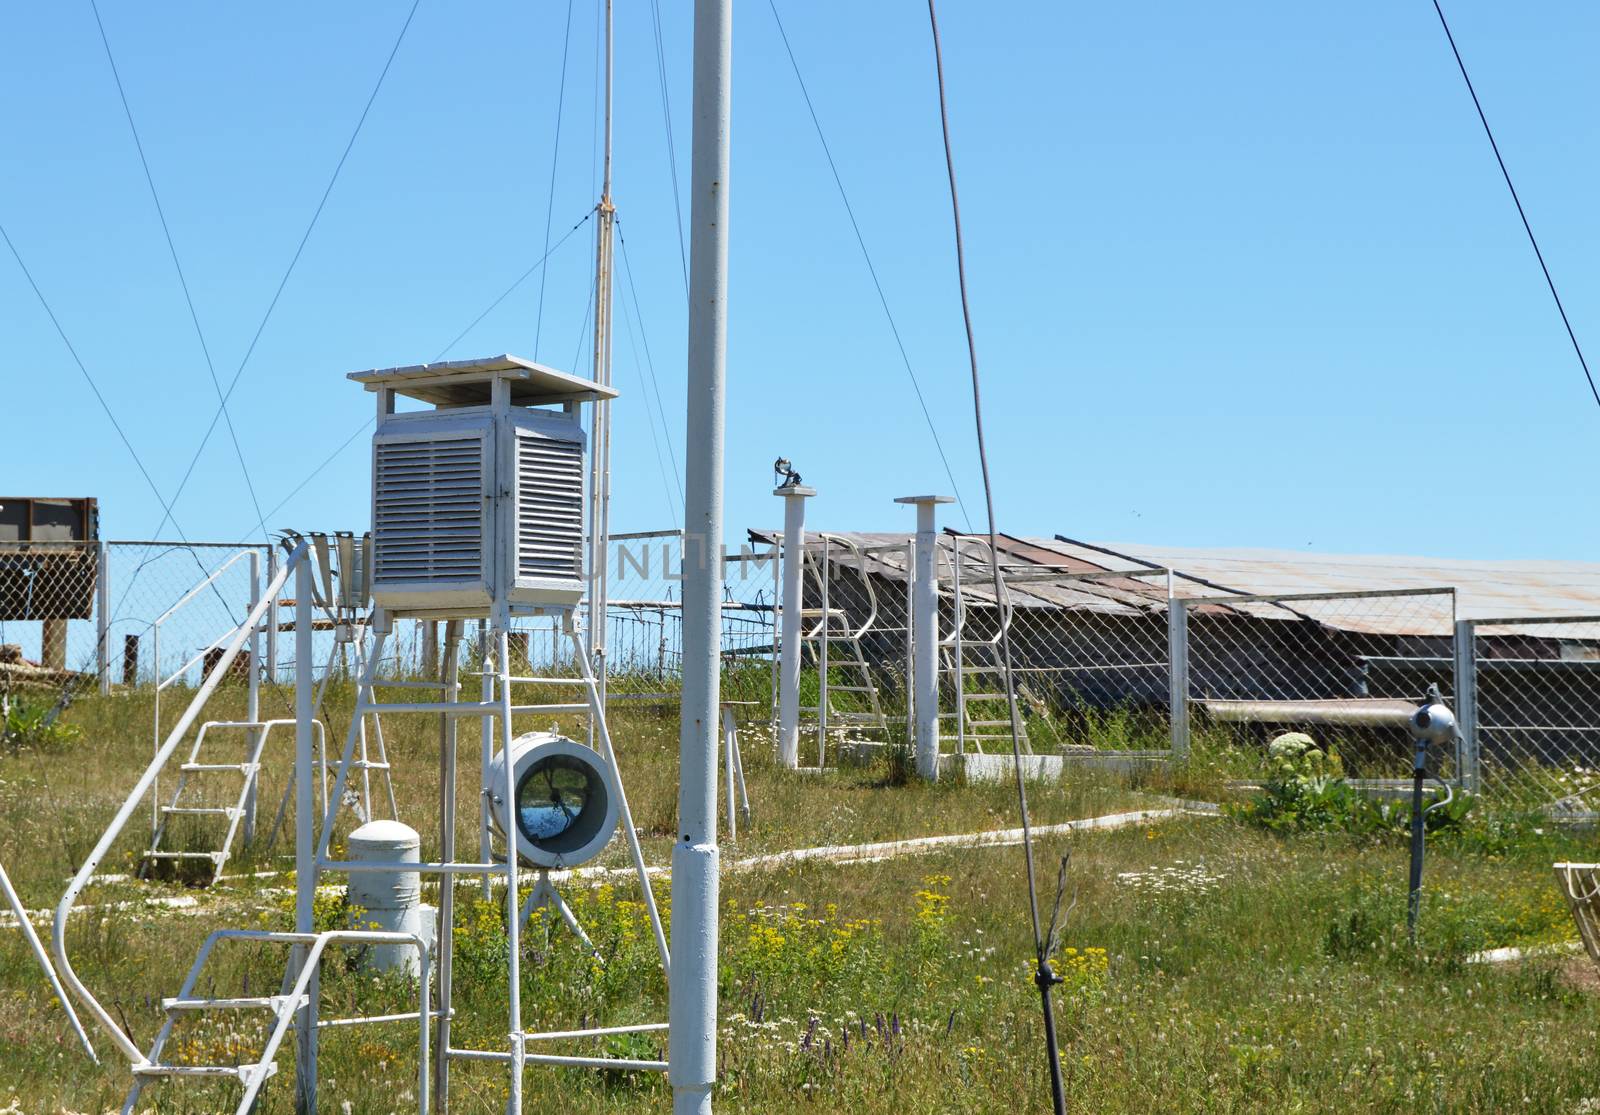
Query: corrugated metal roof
1483, 589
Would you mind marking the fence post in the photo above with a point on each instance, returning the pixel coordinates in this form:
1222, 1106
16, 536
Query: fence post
1178, 675
825, 628
959, 618
130, 660
925, 637
1466, 686
777, 597
789, 622
911, 650
102, 619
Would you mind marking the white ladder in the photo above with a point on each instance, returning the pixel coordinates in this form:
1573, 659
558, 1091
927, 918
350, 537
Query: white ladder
983, 715
301, 982
242, 809
827, 626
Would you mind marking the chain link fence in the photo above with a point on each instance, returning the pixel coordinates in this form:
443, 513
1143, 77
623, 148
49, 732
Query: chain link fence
854, 645
1105, 661
1530, 712
1345, 668
84, 616
1089, 653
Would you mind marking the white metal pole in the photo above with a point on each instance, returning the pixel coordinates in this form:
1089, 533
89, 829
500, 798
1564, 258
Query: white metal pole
32, 936
272, 616
794, 556
729, 736
444, 943
501, 641
102, 619
1466, 701
825, 628
911, 650
305, 843
692, 982
1178, 674
486, 754
777, 602
925, 636
155, 736
960, 620
253, 706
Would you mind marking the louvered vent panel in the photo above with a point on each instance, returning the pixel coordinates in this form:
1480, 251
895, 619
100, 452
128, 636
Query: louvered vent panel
549, 507
428, 511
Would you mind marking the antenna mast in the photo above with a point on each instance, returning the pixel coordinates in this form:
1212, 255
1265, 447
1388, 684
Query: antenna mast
600, 428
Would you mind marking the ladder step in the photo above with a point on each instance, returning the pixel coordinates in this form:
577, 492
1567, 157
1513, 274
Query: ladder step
237, 1072
273, 1003
368, 764
990, 723
201, 810
851, 689
237, 768
986, 697
181, 855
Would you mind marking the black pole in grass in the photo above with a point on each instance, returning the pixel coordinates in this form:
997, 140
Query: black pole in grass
1432, 722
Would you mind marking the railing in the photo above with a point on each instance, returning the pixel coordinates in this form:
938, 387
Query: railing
242, 634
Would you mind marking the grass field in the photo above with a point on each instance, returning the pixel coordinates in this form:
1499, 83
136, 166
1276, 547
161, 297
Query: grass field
1209, 965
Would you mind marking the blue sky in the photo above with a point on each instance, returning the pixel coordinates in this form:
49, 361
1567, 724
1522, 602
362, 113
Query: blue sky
1243, 274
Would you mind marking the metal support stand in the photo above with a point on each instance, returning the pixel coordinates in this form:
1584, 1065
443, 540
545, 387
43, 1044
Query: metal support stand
544, 893
1432, 722
37, 946
1414, 890
733, 765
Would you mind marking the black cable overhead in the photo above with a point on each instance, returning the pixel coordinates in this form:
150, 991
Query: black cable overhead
861, 241
72, 687
649, 363
672, 149
359, 430
299, 249
93, 386
1044, 940
674, 510
1522, 213
555, 163
538, 265
177, 266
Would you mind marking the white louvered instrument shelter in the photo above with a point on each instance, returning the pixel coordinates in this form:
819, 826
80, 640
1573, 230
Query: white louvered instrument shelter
479, 501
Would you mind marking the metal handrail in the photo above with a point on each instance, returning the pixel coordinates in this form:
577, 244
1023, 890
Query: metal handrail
75, 888
190, 595
821, 630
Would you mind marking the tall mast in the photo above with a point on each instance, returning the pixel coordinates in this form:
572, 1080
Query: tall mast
600, 418
692, 980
